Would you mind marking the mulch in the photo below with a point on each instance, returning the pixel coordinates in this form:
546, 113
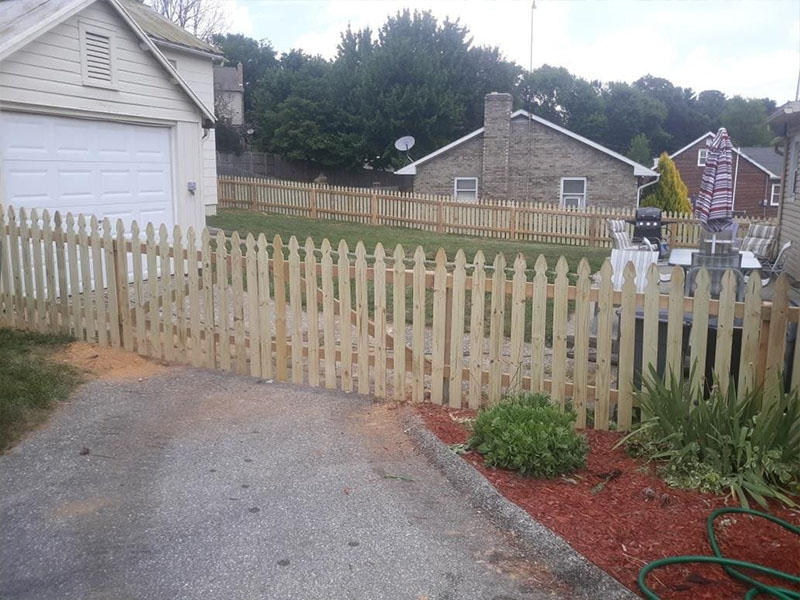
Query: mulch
620, 515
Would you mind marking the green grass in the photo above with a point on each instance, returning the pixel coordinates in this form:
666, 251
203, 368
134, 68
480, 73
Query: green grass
32, 382
253, 222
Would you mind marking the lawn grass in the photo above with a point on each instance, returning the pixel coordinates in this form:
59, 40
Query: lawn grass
32, 382
246, 222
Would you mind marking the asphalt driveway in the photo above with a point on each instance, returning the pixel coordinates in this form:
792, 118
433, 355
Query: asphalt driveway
197, 484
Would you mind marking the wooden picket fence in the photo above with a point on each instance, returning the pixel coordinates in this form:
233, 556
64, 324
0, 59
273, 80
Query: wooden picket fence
533, 222
388, 325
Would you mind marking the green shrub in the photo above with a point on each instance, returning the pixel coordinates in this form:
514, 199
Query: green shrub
528, 434
745, 446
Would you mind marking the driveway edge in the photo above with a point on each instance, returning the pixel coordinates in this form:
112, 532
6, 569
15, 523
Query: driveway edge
542, 543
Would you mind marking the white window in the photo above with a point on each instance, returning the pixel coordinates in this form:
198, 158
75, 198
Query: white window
573, 192
465, 189
775, 195
702, 154
98, 56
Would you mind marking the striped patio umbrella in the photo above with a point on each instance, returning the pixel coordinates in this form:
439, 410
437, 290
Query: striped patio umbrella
714, 204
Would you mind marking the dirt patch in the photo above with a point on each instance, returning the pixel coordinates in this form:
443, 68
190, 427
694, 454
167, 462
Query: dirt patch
634, 517
380, 426
102, 362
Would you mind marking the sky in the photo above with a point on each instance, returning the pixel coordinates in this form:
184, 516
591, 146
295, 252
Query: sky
746, 47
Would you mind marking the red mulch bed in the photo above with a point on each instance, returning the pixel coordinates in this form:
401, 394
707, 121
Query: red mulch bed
624, 526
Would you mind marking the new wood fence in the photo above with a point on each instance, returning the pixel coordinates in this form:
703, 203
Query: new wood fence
386, 324
536, 222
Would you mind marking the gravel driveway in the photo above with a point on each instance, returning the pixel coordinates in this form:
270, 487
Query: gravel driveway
198, 484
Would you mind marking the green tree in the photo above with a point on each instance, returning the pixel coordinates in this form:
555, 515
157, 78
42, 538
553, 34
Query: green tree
746, 121
640, 149
670, 193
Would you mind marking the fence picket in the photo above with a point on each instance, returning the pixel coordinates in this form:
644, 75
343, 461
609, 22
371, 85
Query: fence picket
312, 313
27, 270
265, 313
675, 325
727, 305
496, 327
456, 359
538, 324
776, 344
627, 325
279, 292
603, 374
581, 348
345, 317
194, 298
179, 265
328, 317
751, 332
50, 269
154, 347
362, 319
101, 320
418, 327
74, 280
123, 294
61, 263
650, 323
138, 287
698, 337
165, 294
223, 314
560, 314
379, 315
111, 285
518, 301
38, 265
209, 320
237, 297
438, 329
399, 324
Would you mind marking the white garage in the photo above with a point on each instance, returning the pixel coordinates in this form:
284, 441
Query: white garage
120, 170
94, 119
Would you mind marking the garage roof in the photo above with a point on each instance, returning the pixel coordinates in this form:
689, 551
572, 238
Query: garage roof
24, 20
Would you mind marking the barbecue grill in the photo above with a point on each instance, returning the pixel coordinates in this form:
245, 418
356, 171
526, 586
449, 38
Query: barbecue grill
647, 225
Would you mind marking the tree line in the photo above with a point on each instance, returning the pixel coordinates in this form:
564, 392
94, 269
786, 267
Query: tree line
420, 76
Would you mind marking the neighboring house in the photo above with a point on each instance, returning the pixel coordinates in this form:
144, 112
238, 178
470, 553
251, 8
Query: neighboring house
785, 122
229, 94
95, 119
756, 178
519, 156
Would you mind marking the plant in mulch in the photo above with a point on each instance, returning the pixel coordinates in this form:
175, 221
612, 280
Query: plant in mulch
527, 433
747, 446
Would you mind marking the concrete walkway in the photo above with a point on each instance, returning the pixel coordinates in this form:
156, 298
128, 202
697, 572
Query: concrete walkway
198, 484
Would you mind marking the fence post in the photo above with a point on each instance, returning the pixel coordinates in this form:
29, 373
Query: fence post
513, 223
313, 201
373, 207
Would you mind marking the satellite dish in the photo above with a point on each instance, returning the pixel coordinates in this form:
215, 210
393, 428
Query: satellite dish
405, 143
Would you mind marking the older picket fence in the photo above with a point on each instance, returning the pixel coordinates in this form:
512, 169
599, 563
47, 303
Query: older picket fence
389, 325
536, 222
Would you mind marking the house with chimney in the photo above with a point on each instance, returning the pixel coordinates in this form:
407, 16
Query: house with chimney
521, 157
756, 175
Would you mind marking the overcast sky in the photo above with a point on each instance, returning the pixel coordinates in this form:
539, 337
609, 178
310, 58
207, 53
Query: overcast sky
748, 47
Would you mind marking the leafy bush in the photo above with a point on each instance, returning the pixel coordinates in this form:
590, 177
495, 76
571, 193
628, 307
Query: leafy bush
528, 434
747, 446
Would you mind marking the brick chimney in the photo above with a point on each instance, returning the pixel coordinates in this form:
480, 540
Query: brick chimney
496, 140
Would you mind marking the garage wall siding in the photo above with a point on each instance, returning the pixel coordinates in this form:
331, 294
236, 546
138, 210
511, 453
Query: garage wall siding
198, 72
45, 75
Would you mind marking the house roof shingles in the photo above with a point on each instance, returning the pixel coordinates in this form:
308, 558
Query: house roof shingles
159, 28
765, 156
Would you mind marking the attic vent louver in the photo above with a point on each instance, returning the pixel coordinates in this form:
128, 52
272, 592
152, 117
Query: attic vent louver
97, 57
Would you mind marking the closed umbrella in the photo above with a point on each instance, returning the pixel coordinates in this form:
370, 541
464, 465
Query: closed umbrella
714, 204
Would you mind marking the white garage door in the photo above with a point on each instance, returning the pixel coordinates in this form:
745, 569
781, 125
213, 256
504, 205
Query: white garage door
114, 170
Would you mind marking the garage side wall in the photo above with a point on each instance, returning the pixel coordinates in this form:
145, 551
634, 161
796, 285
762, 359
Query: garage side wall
45, 76
198, 72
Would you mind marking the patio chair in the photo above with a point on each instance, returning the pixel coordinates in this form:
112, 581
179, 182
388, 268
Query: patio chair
622, 241
775, 268
760, 240
641, 259
716, 274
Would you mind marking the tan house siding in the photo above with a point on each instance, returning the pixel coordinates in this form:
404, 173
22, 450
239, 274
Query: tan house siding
541, 156
534, 176
790, 208
437, 176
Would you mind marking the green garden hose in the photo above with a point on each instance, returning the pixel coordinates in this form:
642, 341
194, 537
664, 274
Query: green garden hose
730, 565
